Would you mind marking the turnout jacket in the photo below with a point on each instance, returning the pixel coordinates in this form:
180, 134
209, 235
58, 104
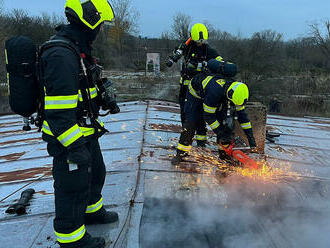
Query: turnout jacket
193, 55
211, 90
69, 96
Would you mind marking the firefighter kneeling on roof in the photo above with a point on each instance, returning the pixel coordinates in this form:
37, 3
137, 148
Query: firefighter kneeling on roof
71, 125
215, 97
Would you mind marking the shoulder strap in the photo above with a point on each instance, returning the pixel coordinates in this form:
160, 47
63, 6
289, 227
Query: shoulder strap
47, 45
59, 43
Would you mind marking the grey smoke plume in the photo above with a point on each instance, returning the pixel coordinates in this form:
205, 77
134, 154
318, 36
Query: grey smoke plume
249, 213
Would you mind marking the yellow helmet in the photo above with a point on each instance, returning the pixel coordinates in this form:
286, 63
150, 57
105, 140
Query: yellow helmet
90, 12
238, 93
199, 32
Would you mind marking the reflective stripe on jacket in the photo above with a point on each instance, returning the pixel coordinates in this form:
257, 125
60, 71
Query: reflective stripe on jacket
64, 103
212, 91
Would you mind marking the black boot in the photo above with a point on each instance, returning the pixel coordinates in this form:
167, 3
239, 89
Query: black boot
224, 156
86, 242
177, 159
201, 143
102, 216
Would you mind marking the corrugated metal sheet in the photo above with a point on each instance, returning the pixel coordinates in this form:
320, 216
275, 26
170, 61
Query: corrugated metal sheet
202, 203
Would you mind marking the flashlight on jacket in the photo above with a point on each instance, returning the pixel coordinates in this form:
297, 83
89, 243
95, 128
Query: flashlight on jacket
177, 54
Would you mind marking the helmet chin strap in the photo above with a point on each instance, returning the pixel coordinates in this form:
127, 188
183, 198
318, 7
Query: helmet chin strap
91, 34
81, 35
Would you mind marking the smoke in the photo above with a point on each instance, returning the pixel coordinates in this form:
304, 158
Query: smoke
164, 91
249, 213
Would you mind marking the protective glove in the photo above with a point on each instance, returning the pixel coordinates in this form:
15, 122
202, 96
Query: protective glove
224, 136
79, 155
109, 98
201, 66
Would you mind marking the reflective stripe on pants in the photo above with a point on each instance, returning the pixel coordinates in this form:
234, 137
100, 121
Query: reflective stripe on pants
71, 237
94, 207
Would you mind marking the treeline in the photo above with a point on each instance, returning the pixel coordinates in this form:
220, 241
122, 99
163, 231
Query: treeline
116, 47
264, 55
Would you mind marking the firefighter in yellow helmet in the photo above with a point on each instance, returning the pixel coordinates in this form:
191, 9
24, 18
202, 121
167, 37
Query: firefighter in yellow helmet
216, 98
199, 33
196, 52
74, 93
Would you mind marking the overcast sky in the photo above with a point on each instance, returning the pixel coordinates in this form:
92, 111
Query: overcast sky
289, 17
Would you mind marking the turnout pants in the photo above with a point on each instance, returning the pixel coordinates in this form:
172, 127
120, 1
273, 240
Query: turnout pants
193, 110
194, 118
77, 192
200, 128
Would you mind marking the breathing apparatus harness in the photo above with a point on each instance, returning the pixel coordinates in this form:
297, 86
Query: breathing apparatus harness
87, 76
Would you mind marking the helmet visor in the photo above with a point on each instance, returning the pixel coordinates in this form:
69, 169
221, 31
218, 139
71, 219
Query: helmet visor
201, 42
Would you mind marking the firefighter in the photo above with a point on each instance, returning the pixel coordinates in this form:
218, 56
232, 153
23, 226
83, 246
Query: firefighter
71, 126
215, 98
196, 52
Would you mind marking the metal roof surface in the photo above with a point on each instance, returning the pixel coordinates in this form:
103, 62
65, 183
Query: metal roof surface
201, 203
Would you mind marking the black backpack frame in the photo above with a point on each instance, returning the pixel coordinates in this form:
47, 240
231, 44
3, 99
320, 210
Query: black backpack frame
24, 76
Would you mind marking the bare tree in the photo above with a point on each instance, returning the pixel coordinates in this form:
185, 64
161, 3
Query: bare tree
126, 18
165, 35
321, 36
180, 26
213, 32
1, 17
263, 54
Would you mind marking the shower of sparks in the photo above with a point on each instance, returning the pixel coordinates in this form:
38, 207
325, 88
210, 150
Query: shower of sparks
207, 162
268, 173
